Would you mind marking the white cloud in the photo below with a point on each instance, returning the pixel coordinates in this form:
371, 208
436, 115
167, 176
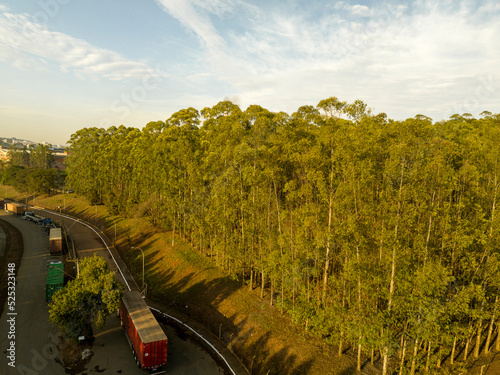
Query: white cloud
361, 10
32, 44
187, 12
413, 54
218, 7
423, 57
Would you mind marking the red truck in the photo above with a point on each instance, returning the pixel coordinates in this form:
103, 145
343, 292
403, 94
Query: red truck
144, 334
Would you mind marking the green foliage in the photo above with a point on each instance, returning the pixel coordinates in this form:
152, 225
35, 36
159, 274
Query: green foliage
19, 157
42, 180
363, 227
89, 299
30, 170
31, 180
41, 156
9, 174
35, 156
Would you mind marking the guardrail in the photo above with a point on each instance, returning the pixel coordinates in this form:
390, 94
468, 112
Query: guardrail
128, 286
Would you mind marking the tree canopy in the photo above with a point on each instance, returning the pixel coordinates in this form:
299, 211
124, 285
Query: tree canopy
30, 169
370, 232
35, 156
87, 300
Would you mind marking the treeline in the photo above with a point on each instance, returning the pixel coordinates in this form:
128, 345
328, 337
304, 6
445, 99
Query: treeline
375, 234
30, 170
35, 156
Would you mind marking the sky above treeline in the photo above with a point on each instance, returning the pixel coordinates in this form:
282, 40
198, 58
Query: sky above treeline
69, 64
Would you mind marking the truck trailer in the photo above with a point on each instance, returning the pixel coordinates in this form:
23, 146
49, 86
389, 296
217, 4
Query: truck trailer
55, 279
55, 241
31, 216
144, 334
16, 209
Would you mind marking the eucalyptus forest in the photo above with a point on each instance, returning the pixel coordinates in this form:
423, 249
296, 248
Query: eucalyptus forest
374, 234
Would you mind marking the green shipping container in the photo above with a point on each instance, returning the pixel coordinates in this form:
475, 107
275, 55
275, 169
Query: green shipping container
55, 279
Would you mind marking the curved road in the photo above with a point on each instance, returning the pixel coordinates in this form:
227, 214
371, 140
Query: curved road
36, 342
33, 344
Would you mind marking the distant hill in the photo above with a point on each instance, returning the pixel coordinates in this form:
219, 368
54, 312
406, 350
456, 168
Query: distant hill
7, 142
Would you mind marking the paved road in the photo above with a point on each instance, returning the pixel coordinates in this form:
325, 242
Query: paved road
2, 242
110, 352
34, 348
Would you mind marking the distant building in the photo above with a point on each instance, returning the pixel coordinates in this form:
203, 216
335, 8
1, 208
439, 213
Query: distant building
4, 154
59, 157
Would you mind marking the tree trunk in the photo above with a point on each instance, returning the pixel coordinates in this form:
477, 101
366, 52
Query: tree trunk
358, 367
173, 232
389, 305
490, 329
477, 347
263, 283
402, 343
429, 226
384, 362
243, 234
493, 207
497, 343
452, 357
328, 240
414, 358
428, 357
272, 292
440, 351
403, 354
466, 350
282, 288
393, 264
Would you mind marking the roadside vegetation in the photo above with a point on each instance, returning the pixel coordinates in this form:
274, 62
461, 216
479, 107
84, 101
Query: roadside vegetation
87, 300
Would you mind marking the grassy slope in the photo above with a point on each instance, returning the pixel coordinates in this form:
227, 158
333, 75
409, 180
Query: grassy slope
189, 281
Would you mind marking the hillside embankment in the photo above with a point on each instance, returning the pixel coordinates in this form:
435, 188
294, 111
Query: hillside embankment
265, 339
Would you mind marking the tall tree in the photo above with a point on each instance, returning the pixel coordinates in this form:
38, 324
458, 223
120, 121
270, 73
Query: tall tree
89, 299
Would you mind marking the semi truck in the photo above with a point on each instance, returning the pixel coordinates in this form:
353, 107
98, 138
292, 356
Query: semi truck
31, 216
47, 225
2, 204
144, 334
16, 209
55, 241
46, 222
55, 279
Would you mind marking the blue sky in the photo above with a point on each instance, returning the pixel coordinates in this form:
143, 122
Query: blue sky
69, 64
